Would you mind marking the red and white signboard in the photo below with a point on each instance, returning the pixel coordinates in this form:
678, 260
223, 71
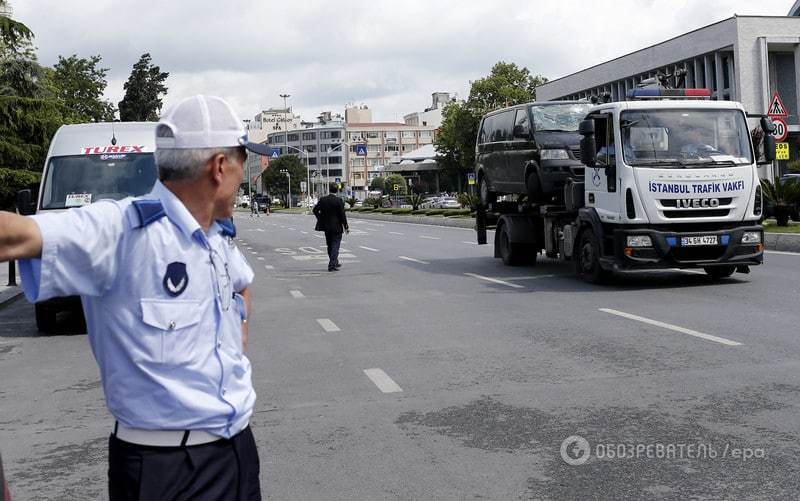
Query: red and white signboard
781, 129
776, 107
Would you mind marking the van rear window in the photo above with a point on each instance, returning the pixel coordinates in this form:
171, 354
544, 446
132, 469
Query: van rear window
73, 181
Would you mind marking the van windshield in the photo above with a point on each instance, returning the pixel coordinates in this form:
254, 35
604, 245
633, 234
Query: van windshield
685, 138
78, 180
558, 117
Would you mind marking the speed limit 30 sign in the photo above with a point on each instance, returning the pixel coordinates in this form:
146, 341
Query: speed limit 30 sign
781, 129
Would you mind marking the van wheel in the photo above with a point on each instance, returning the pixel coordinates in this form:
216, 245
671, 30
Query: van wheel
533, 187
510, 253
719, 272
487, 196
45, 319
587, 259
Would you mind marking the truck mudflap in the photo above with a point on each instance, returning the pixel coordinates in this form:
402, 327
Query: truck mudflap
671, 249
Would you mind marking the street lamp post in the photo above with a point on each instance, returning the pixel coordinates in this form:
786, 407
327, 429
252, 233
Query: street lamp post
284, 171
327, 165
308, 174
285, 124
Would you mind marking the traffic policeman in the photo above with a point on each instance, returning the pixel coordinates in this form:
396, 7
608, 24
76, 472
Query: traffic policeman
166, 299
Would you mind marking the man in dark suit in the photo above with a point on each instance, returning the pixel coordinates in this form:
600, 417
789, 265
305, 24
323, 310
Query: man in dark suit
332, 220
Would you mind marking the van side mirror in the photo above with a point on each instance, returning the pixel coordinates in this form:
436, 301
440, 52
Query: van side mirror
521, 132
26, 205
586, 127
588, 150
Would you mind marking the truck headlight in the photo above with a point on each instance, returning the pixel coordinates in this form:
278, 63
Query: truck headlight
751, 237
553, 155
639, 241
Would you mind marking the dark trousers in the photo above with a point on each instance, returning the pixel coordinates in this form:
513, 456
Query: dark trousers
333, 240
221, 470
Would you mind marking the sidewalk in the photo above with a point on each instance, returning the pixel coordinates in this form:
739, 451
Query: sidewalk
8, 293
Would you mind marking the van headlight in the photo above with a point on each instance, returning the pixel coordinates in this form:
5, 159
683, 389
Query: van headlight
639, 241
751, 237
554, 155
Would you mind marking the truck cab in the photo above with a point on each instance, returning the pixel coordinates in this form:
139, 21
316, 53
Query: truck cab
86, 163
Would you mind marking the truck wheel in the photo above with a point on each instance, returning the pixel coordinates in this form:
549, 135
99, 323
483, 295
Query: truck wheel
718, 272
487, 196
45, 319
510, 253
587, 259
533, 187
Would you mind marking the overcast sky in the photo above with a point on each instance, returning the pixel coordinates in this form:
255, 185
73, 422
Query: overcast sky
389, 55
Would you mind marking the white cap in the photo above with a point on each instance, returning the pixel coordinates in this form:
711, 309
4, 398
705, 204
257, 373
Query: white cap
203, 122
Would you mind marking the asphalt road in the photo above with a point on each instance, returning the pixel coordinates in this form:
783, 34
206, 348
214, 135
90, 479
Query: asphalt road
425, 369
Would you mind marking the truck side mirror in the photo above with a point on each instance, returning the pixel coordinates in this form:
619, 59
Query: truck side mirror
769, 148
26, 205
586, 127
588, 150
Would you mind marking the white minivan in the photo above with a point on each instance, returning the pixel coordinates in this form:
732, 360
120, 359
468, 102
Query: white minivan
87, 163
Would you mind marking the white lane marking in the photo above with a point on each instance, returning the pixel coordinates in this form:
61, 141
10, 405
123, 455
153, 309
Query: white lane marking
292, 229
531, 277
328, 325
297, 294
319, 236
376, 224
783, 253
368, 248
260, 258
261, 229
429, 238
396, 233
269, 267
382, 381
494, 280
406, 258
469, 243
304, 232
370, 229
675, 328
253, 252
321, 257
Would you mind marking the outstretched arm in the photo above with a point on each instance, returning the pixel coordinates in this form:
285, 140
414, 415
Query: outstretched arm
20, 237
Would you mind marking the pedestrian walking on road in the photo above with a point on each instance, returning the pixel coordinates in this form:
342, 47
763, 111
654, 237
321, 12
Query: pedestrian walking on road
165, 293
333, 221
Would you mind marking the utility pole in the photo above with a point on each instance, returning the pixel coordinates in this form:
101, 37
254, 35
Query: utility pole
285, 123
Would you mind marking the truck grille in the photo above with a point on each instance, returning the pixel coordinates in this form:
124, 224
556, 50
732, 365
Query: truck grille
672, 202
674, 214
576, 152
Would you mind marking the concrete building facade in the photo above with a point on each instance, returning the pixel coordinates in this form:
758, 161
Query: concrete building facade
432, 116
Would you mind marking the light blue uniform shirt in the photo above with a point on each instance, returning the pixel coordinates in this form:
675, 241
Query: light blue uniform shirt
157, 293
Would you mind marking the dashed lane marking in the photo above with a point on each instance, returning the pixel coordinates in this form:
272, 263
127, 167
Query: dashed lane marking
784, 253
675, 328
260, 258
469, 243
494, 281
429, 238
269, 267
368, 248
396, 233
382, 381
297, 294
406, 258
328, 325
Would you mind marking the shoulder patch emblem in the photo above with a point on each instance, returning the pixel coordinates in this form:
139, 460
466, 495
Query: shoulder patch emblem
176, 279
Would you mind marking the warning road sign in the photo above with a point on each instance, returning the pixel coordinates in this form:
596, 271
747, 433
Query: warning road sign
776, 107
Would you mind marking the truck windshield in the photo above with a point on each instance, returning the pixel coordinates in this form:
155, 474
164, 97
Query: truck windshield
558, 117
82, 179
687, 138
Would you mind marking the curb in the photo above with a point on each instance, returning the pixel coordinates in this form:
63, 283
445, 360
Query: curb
787, 242
9, 294
426, 220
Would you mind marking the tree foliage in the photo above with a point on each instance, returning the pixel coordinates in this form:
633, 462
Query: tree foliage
377, 184
506, 85
79, 83
395, 180
275, 182
144, 91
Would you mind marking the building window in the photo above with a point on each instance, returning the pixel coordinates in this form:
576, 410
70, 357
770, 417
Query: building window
332, 134
409, 134
391, 148
334, 173
311, 148
409, 147
373, 148
294, 137
357, 162
372, 134
334, 160
371, 162
424, 134
355, 136
312, 160
309, 136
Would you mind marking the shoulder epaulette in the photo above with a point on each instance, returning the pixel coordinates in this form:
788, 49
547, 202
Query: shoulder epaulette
228, 228
149, 211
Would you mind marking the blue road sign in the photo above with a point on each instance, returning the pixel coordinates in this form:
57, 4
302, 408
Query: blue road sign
338, 180
274, 153
361, 150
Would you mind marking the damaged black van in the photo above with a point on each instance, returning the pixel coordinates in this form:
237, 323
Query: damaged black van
529, 149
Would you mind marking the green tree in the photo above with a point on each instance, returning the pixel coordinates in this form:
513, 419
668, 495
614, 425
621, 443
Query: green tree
395, 180
377, 184
80, 83
275, 182
506, 85
144, 91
